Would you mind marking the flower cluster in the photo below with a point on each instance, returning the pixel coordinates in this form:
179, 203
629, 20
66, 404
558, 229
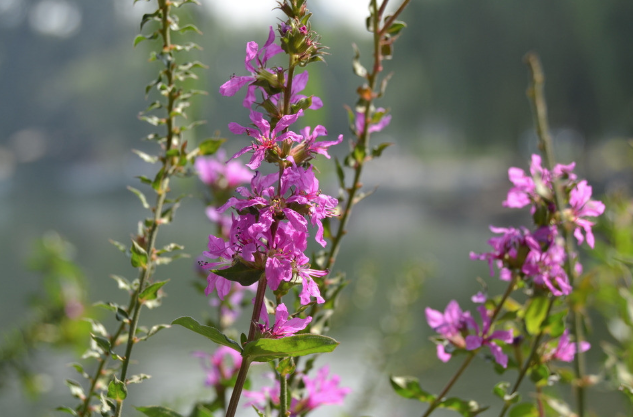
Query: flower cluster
459, 330
317, 391
538, 256
273, 218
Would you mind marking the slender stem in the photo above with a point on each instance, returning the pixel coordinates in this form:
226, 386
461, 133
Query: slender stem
243, 373
528, 362
394, 16
102, 362
162, 190
450, 384
237, 391
537, 96
283, 396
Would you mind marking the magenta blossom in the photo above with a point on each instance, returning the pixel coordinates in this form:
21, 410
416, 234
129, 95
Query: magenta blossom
450, 324
282, 327
254, 62
483, 337
266, 140
220, 366
582, 206
318, 391
214, 171
565, 350
299, 83
373, 127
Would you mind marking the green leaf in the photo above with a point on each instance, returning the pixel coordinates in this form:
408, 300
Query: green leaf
158, 411
139, 256
152, 159
377, 151
286, 366
210, 333
120, 246
137, 379
140, 195
102, 342
189, 28
465, 408
259, 413
554, 325
359, 69
265, 350
210, 146
123, 283
535, 314
117, 390
524, 410
67, 410
155, 329
396, 27
501, 389
151, 291
340, 173
539, 374
75, 389
240, 272
627, 390
409, 387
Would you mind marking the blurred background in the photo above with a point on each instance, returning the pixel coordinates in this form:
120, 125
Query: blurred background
72, 85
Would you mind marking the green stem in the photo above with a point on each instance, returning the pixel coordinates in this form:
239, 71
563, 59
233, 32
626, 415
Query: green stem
539, 106
85, 411
239, 384
283, 396
450, 384
528, 362
163, 188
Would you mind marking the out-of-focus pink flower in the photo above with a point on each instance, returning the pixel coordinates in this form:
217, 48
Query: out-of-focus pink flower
483, 337
220, 366
320, 390
566, 349
216, 172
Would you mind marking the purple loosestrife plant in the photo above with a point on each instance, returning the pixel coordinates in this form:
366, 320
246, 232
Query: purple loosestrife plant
539, 260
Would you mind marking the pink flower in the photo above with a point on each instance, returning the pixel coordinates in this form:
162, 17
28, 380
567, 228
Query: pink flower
282, 327
565, 350
483, 338
220, 366
265, 138
258, 57
373, 127
582, 206
214, 171
318, 391
450, 325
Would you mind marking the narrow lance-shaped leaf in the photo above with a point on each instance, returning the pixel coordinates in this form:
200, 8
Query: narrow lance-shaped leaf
151, 292
535, 314
139, 255
210, 146
158, 411
239, 272
210, 333
140, 196
265, 350
409, 387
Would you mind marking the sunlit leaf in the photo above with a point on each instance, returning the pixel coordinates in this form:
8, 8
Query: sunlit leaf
210, 333
265, 350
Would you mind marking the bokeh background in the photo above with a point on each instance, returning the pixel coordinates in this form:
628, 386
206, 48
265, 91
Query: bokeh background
71, 87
